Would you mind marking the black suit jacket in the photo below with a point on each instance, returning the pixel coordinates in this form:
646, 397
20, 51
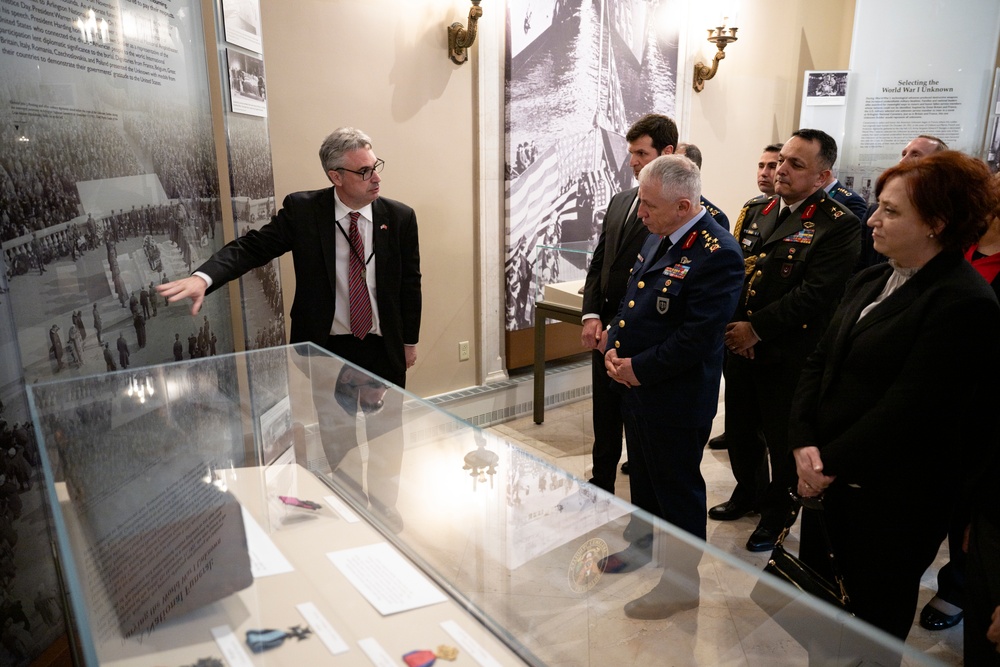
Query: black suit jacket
892, 400
305, 226
614, 256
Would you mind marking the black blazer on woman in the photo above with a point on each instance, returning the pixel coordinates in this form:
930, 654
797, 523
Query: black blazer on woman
885, 398
899, 405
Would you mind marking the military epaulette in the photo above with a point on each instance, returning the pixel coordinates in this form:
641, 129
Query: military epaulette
711, 242
759, 199
836, 211
844, 191
713, 211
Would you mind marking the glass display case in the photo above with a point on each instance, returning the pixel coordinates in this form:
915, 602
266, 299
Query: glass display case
284, 507
560, 271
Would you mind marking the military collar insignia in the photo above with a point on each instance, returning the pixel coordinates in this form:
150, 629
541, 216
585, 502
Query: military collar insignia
808, 213
689, 240
770, 206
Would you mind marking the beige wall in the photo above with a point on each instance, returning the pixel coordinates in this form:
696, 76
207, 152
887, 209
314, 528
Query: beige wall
754, 98
382, 66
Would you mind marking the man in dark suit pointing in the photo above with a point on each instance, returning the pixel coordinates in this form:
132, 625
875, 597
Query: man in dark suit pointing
357, 270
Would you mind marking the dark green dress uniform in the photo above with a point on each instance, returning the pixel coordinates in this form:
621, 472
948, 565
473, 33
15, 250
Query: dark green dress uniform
795, 270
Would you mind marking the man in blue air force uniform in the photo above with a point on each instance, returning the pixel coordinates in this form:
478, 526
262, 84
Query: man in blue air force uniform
664, 349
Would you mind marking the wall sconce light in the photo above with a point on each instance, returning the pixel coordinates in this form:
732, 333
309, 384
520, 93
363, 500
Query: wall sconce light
719, 36
461, 38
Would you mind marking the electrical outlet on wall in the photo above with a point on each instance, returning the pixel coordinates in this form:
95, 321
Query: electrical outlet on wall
463, 351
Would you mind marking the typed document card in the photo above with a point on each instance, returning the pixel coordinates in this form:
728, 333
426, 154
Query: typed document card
386, 579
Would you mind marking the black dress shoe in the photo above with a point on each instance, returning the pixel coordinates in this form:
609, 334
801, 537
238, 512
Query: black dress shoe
935, 619
632, 558
718, 442
730, 511
661, 602
625, 468
763, 539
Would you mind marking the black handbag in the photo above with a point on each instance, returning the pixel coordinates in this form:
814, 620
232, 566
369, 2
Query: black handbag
797, 574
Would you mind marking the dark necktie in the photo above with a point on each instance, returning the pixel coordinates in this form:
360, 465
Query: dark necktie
631, 220
783, 215
361, 305
661, 249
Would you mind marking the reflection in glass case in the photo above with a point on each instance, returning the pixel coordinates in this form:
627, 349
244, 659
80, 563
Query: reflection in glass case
375, 529
560, 271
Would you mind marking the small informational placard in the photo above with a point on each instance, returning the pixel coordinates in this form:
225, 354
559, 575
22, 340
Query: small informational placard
469, 645
231, 647
386, 579
321, 626
341, 508
376, 653
265, 557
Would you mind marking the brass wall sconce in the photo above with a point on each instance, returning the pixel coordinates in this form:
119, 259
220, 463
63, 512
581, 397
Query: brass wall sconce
461, 38
719, 36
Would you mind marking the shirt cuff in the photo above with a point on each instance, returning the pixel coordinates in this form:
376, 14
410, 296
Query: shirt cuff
203, 276
590, 316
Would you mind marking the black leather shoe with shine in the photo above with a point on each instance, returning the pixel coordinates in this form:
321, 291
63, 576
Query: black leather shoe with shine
730, 511
935, 619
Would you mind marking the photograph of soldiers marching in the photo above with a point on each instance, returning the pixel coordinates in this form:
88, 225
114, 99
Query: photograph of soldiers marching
85, 245
253, 205
108, 188
579, 74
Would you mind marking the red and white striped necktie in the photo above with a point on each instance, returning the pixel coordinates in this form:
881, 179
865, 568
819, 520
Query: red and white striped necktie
361, 305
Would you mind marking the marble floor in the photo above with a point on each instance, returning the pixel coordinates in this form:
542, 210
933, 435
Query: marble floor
567, 431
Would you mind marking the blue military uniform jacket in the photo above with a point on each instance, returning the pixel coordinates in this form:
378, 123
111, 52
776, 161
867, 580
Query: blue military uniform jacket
854, 202
672, 318
716, 213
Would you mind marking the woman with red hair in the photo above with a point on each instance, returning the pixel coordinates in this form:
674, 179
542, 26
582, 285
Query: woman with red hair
888, 421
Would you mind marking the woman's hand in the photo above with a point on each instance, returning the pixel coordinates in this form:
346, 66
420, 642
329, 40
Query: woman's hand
993, 632
809, 467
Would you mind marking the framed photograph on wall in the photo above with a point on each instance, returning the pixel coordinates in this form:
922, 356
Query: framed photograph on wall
247, 90
826, 88
242, 23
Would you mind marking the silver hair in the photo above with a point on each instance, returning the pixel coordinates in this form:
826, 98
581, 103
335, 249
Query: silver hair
341, 141
677, 176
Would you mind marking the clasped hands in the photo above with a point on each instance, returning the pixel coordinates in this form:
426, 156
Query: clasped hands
740, 339
809, 467
620, 370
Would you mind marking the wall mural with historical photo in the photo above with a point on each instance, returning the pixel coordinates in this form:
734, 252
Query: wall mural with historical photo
108, 187
579, 73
